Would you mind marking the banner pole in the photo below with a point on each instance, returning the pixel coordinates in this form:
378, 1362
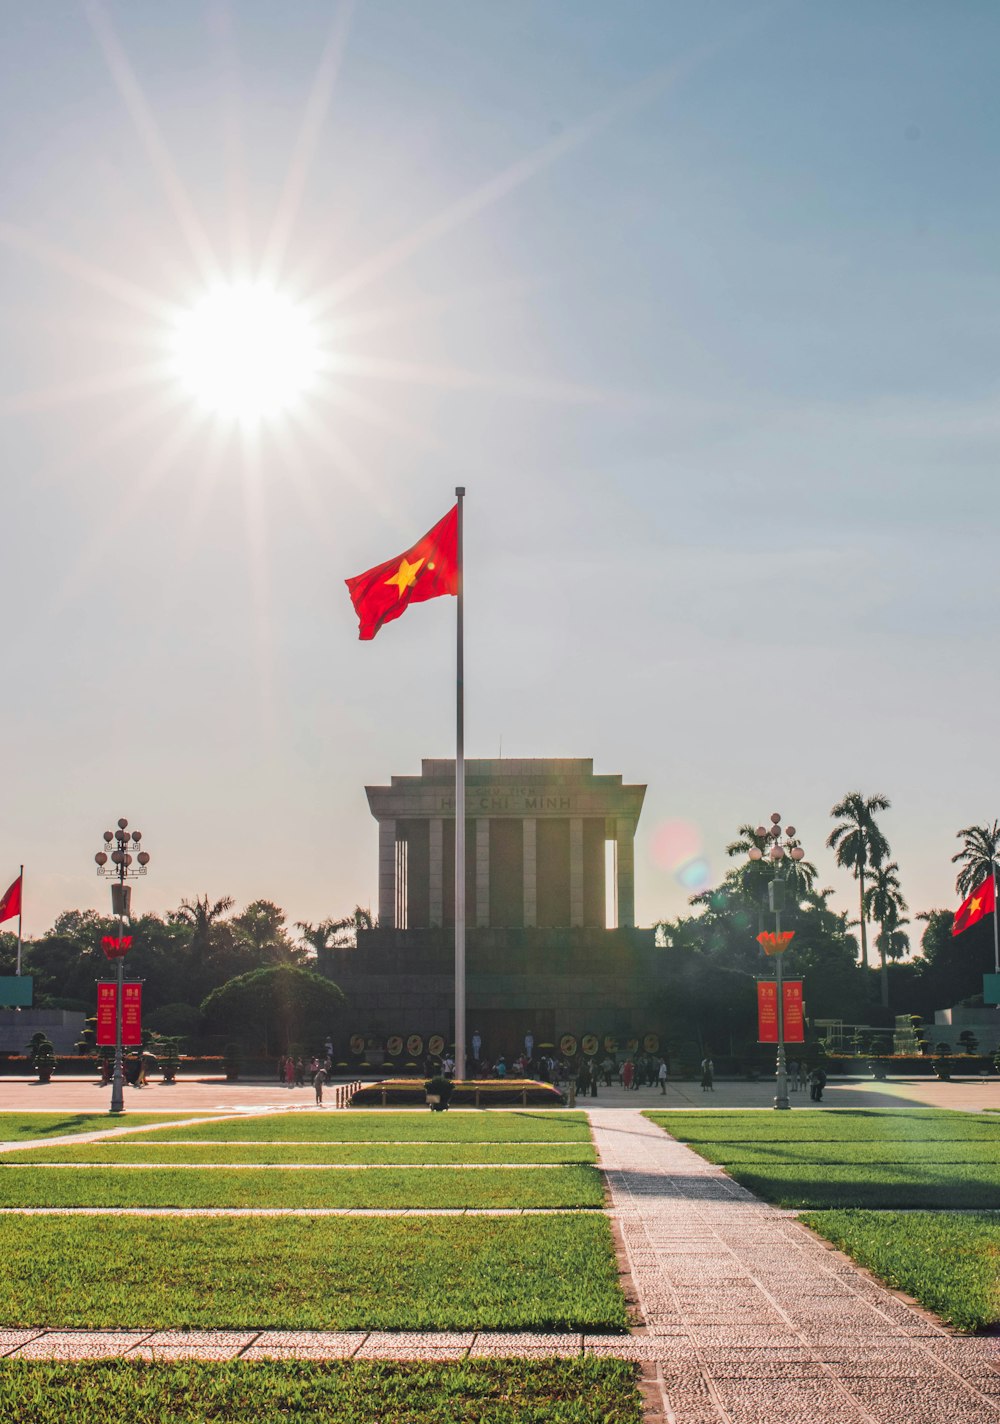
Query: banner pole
460, 807
20, 912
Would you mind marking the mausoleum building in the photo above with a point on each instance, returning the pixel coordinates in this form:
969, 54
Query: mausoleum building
551, 942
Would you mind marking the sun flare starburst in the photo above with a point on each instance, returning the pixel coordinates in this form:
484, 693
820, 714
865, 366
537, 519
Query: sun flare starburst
246, 351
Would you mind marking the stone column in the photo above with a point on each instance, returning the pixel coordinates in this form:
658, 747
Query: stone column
387, 874
482, 872
436, 915
530, 874
576, 871
625, 829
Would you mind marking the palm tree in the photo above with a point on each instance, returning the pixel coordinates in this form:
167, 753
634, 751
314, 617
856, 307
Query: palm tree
319, 938
978, 856
202, 918
884, 902
859, 845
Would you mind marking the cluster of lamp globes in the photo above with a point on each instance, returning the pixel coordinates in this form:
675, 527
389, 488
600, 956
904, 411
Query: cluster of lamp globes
121, 856
773, 833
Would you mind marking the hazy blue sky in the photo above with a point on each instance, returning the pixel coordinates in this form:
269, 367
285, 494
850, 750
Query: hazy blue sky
698, 301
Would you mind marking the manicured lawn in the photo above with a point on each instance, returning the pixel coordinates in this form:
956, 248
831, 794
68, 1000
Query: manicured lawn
829, 1125
141, 1149
574, 1186
816, 1158
19, 1127
949, 1262
471, 1392
414, 1273
384, 1126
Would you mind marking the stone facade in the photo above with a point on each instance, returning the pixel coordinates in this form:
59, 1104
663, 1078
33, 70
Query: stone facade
536, 836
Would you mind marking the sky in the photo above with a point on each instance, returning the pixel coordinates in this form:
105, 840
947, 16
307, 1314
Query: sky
699, 303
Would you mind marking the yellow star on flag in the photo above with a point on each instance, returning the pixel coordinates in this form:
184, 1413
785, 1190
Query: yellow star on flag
974, 905
405, 575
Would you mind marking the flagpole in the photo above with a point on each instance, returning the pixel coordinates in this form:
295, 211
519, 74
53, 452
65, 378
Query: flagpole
460, 809
996, 939
20, 912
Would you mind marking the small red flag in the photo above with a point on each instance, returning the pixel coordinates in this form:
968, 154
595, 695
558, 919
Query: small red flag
10, 905
775, 943
428, 570
979, 904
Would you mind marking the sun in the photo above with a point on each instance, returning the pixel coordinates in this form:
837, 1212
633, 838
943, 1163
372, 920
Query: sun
246, 351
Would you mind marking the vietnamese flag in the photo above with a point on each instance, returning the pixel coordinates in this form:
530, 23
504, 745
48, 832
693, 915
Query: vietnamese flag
980, 903
428, 570
10, 905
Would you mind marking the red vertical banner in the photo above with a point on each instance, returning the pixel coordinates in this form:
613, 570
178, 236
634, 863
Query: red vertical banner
107, 1002
132, 1015
794, 1024
767, 1011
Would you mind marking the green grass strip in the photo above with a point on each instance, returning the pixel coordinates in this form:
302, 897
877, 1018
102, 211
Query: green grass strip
949, 1262
384, 1126
938, 1185
140, 1149
21, 1127
582, 1391
244, 1187
829, 1125
325, 1273
844, 1154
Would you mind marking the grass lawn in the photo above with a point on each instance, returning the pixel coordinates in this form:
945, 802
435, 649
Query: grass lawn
574, 1186
949, 1262
349, 1392
380, 1125
883, 1125
884, 1158
141, 1149
525, 1273
22, 1126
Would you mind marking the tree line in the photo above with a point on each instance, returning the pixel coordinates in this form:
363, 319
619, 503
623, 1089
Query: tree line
714, 959
183, 958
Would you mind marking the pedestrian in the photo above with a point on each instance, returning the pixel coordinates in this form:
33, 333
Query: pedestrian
289, 1072
707, 1075
281, 1068
318, 1082
628, 1073
803, 1074
793, 1075
300, 1073
662, 1076
817, 1082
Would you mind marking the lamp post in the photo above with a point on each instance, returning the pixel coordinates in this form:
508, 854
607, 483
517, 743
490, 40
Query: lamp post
120, 865
776, 901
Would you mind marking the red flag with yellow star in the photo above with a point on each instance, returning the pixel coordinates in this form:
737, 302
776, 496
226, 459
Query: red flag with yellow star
979, 904
428, 570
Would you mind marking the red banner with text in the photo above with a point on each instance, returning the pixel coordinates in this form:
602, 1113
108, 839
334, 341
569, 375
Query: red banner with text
794, 1024
131, 1015
107, 995
107, 1008
767, 1011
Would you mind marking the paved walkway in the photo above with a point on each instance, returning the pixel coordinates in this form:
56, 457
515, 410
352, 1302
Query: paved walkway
749, 1318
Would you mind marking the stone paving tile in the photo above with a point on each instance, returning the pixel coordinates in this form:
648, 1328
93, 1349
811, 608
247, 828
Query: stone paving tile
12, 1339
202, 1339
527, 1346
332, 1340
78, 1344
762, 1303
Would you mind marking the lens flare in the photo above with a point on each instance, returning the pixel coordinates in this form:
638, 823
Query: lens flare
677, 847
